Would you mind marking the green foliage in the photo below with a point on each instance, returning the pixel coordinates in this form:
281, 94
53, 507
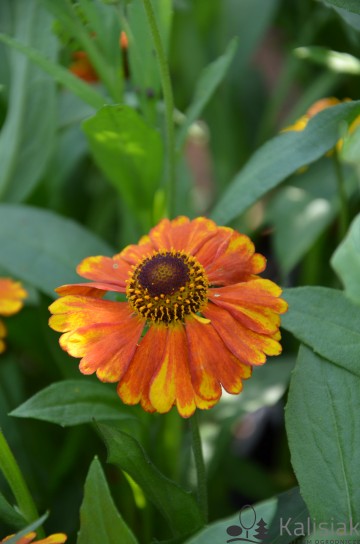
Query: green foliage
302, 209
207, 84
72, 402
23, 158
44, 256
325, 320
280, 157
288, 505
323, 434
130, 153
99, 519
178, 506
346, 261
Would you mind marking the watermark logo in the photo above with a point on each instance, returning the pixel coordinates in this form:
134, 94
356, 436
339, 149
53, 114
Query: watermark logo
249, 529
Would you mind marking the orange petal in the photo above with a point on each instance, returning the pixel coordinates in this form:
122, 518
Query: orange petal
229, 257
211, 363
133, 253
95, 290
183, 234
106, 348
105, 270
73, 312
11, 296
193, 235
161, 234
171, 383
248, 346
23, 540
254, 303
134, 386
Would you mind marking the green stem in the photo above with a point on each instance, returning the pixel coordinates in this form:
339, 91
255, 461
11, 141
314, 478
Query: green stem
200, 466
14, 478
169, 105
344, 215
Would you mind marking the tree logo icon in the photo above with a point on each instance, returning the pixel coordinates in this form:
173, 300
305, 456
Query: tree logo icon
248, 530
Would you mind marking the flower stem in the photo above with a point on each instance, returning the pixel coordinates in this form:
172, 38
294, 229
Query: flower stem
200, 466
344, 215
169, 105
14, 478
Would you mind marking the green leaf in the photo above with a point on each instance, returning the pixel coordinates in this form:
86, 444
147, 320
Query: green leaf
282, 156
346, 261
327, 321
43, 248
302, 210
349, 5
28, 529
9, 515
323, 431
23, 158
178, 506
207, 84
280, 509
350, 18
342, 63
99, 519
130, 153
72, 402
59, 73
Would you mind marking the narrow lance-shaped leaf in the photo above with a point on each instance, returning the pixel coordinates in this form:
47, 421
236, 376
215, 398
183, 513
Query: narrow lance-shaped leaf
59, 73
327, 321
28, 529
99, 519
43, 248
178, 506
207, 84
23, 158
280, 157
9, 515
324, 437
72, 402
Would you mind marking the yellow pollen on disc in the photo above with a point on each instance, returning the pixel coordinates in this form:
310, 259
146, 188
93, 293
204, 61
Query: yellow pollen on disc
171, 278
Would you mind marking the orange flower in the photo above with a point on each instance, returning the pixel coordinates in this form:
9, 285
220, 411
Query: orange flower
318, 106
82, 67
192, 288
11, 301
57, 538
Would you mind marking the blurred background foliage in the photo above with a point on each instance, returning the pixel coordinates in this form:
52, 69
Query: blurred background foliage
65, 159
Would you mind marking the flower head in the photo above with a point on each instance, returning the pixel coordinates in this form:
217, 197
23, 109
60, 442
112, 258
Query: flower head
57, 538
11, 301
196, 318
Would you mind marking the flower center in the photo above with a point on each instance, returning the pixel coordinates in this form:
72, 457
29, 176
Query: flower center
167, 286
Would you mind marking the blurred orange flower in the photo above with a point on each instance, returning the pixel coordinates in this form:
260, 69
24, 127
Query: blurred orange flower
318, 106
82, 67
57, 538
194, 293
11, 301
